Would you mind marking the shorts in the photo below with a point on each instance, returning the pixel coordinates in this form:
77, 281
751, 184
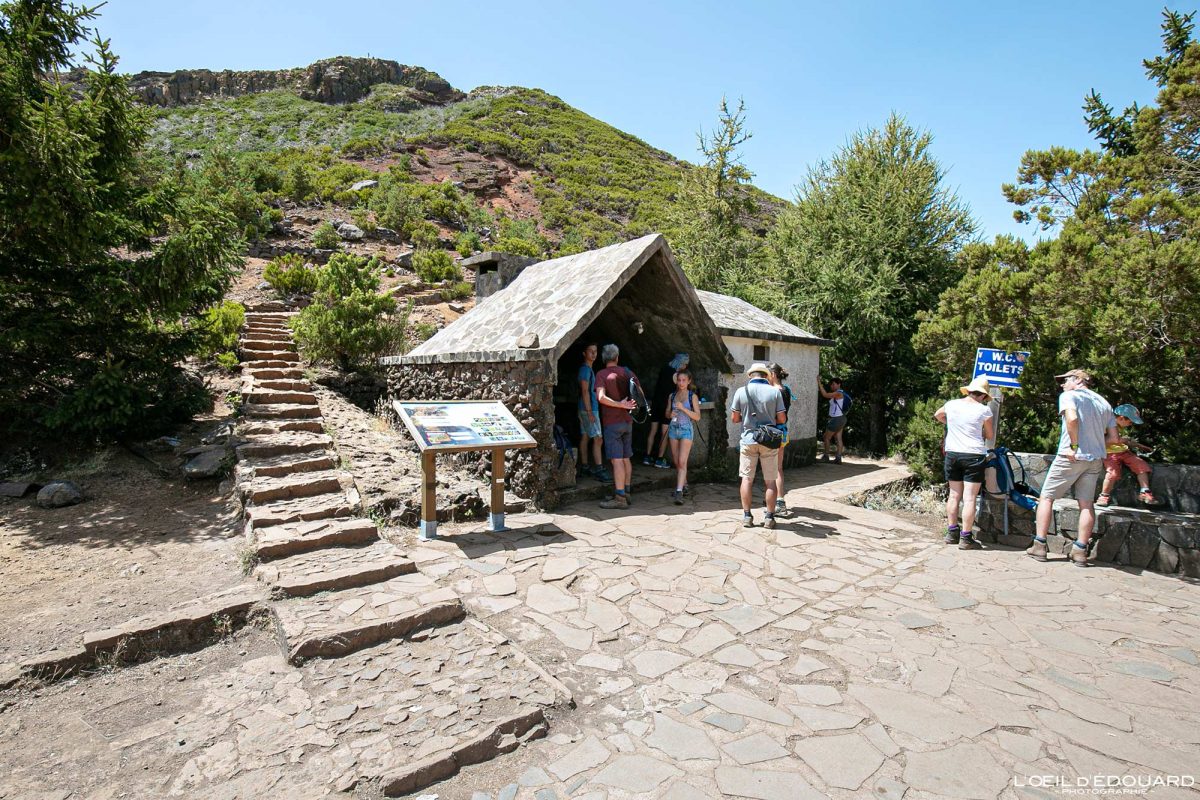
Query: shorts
966, 467
1114, 461
588, 427
659, 414
680, 432
618, 440
754, 454
1064, 474
835, 424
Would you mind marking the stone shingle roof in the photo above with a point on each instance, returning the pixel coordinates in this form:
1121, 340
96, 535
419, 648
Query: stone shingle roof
556, 300
736, 317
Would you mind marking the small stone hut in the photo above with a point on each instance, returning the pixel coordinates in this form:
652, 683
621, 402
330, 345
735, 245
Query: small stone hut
522, 345
751, 334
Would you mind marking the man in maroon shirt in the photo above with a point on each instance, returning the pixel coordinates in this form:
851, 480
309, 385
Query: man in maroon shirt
612, 392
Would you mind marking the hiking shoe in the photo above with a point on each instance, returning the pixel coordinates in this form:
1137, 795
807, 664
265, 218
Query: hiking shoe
686, 490
781, 509
769, 523
602, 475
1104, 500
662, 463
1145, 497
953, 533
1079, 556
824, 458
677, 497
747, 521
648, 461
1037, 551
837, 460
616, 501
969, 543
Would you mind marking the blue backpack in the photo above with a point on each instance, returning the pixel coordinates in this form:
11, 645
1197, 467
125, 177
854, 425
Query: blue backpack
846, 403
1018, 491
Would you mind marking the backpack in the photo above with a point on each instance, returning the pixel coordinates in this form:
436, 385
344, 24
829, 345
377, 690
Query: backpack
846, 403
562, 442
1018, 491
642, 410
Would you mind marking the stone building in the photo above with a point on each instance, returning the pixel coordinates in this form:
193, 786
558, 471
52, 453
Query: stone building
751, 334
522, 344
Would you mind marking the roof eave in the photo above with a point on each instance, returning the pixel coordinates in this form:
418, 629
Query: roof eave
777, 337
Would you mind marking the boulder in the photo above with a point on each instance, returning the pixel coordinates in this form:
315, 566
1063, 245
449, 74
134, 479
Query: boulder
209, 464
17, 489
57, 494
359, 186
350, 232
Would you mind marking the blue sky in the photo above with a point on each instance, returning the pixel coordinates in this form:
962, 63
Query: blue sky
989, 80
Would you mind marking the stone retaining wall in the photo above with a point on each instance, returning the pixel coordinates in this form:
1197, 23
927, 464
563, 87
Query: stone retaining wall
1163, 538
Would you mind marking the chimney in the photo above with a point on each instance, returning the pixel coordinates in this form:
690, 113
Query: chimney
494, 271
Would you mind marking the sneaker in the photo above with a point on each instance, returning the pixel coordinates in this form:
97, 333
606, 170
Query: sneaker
781, 509
1079, 556
677, 497
616, 501
747, 521
769, 523
648, 461
686, 490
968, 542
602, 475
824, 457
1145, 497
1104, 500
662, 463
1037, 551
837, 460
953, 534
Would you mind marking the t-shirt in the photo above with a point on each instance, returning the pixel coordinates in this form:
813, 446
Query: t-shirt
964, 425
586, 374
837, 406
758, 402
1095, 418
615, 382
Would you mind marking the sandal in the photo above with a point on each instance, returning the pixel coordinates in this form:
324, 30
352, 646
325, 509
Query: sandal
1146, 498
1104, 500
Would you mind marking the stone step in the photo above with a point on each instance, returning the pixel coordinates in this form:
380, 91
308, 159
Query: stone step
321, 506
267, 334
336, 623
334, 569
284, 444
276, 384
273, 374
268, 489
278, 541
256, 345
278, 466
274, 397
267, 428
286, 356
280, 411
267, 363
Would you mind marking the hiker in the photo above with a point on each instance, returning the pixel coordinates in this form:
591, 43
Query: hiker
1088, 427
1120, 453
589, 420
777, 377
660, 411
969, 426
839, 404
683, 406
612, 392
758, 405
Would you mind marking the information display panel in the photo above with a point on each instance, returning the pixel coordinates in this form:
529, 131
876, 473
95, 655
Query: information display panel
460, 425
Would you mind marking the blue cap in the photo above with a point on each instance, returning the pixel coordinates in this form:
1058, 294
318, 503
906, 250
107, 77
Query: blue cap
1129, 411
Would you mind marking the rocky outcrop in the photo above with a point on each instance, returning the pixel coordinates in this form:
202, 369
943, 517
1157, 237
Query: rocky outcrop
332, 80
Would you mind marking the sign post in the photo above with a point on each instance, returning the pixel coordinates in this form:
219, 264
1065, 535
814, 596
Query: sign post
457, 426
1003, 370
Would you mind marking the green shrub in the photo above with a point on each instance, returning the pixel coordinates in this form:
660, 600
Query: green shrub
435, 266
348, 323
326, 236
457, 291
228, 361
299, 185
288, 276
363, 219
521, 237
219, 326
921, 441
425, 235
467, 243
425, 330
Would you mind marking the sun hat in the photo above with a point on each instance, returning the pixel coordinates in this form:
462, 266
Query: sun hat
759, 367
1129, 411
979, 384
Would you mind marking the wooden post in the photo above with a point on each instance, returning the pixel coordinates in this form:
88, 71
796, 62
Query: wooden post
496, 517
990, 483
428, 496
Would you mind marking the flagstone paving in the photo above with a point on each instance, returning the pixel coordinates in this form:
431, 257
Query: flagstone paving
847, 653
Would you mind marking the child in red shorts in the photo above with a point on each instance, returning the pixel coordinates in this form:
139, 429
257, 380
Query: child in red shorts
1121, 454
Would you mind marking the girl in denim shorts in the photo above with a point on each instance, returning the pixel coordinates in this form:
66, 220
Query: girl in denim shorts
684, 409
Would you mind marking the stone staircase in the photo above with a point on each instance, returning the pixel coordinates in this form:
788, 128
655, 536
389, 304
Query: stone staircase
339, 589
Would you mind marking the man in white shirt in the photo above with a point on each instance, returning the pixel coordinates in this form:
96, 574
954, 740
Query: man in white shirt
969, 427
1088, 427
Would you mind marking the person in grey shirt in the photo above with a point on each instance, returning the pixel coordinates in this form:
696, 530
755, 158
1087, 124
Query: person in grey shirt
1088, 427
756, 404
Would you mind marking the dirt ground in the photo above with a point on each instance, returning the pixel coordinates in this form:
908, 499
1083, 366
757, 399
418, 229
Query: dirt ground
140, 541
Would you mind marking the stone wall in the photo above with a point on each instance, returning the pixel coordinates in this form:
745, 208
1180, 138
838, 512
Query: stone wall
525, 387
1164, 538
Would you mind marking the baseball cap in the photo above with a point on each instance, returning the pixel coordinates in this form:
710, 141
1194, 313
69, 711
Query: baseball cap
1128, 410
1081, 374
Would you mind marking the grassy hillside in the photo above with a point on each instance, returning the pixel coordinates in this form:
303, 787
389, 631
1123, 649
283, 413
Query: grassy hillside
593, 184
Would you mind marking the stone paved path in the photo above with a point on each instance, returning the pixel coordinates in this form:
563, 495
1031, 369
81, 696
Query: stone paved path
845, 654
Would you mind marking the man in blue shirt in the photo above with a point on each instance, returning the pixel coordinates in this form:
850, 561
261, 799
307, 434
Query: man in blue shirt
589, 418
756, 404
